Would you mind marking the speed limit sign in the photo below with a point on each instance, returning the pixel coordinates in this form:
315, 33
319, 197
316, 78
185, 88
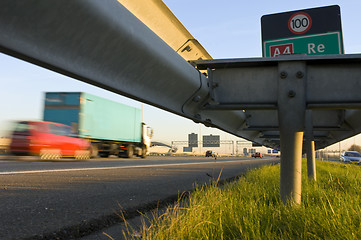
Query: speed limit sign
312, 31
300, 23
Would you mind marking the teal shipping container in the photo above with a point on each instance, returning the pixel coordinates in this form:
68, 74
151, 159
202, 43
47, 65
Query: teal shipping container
93, 117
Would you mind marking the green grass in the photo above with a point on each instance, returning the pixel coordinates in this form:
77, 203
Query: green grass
250, 208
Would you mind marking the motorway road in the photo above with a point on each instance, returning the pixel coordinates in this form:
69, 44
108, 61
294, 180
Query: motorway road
42, 199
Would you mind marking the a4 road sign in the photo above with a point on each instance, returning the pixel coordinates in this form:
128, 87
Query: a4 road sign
315, 31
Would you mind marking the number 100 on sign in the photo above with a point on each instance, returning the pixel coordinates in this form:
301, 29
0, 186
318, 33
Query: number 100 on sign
299, 23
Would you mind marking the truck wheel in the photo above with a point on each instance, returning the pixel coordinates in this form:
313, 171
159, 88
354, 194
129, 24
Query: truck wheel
130, 151
104, 154
144, 152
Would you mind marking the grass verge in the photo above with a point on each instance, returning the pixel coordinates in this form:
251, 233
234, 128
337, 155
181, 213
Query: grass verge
250, 208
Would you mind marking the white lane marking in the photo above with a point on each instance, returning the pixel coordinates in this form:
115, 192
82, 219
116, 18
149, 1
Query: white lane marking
120, 167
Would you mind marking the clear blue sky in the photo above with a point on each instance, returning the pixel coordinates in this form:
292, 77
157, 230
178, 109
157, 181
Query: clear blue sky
227, 29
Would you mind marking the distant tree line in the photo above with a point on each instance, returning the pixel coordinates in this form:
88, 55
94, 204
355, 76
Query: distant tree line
355, 147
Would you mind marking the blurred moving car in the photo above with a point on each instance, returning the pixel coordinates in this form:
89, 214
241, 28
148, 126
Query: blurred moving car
257, 154
210, 153
350, 157
48, 140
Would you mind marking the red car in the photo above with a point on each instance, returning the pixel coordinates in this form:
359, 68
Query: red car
48, 140
257, 154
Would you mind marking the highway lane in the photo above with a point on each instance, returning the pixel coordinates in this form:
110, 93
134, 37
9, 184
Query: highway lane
19, 164
39, 198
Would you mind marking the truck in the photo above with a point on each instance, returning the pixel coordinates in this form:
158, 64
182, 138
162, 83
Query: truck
111, 127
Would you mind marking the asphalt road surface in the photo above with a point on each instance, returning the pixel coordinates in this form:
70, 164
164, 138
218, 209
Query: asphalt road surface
68, 199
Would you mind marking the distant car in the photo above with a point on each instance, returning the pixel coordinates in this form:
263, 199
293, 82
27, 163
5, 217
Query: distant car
350, 157
48, 140
257, 154
210, 153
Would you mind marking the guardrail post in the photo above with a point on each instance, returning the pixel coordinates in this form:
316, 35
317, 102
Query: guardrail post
310, 147
291, 117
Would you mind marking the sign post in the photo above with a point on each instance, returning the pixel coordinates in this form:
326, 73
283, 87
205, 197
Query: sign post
315, 31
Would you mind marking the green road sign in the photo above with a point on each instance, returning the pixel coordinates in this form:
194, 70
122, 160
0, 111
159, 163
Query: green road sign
316, 44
